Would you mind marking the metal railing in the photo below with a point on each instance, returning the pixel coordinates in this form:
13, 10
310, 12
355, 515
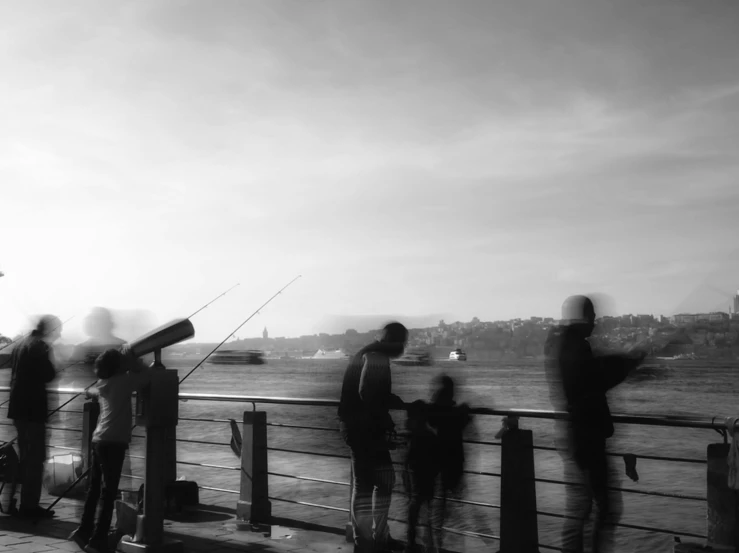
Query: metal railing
701, 423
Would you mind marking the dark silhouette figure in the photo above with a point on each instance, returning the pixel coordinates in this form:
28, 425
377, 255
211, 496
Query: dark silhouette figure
32, 370
119, 375
449, 420
583, 379
366, 427
99, 327
421, 471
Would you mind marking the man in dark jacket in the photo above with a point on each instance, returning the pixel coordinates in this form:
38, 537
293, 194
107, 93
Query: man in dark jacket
364, 414
584, 379
32, 370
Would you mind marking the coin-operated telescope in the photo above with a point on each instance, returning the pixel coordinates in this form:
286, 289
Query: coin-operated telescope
157, 410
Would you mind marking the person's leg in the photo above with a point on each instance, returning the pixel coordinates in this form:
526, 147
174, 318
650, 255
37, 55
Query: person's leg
361, 503
414, 508
384, 481
83, 533
578, 505
35, 434
111, 456
608, 502
21, 428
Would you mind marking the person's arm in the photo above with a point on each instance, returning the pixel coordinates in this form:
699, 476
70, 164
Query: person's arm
92, 393
614, 369
46, 369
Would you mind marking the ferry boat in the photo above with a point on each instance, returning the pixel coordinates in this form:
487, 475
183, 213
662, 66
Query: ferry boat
458, 355
238, 357
414, 359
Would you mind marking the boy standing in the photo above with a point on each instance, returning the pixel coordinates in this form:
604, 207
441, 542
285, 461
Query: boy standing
119, 374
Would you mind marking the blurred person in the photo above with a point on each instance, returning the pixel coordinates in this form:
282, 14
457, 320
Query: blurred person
366, 427
421, 471
584, 378
119, 374
449, 420
99, 327
32, 369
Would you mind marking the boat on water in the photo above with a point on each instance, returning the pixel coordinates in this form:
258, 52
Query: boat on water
414, 359
329, 354
458, 355
238, 357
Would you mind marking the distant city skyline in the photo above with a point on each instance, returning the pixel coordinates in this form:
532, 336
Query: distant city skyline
487, 161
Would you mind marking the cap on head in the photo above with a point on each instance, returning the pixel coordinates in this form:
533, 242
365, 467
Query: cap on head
578, 309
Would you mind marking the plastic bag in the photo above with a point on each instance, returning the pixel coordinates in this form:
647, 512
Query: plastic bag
61, 471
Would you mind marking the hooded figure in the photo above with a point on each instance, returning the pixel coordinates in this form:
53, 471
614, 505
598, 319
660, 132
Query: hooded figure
364, 415
584, 379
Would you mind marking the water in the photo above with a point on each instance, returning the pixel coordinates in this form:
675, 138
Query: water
685, 388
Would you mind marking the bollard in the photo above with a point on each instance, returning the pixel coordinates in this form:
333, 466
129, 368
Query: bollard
519, 531
90, 414
253, 505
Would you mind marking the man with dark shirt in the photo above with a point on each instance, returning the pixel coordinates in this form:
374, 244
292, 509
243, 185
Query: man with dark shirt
364, 414
32, 370
583, 379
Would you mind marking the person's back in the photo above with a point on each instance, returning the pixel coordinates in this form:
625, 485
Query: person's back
450, 421
32, 370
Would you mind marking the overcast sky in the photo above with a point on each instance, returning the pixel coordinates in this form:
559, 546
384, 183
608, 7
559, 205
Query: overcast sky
416, 158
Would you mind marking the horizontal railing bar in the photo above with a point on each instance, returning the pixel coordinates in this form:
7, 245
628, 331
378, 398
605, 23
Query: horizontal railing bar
206, 465
309, 479
624, 490
626, 525
479, 442
701, 422
639, 455
482, 473
544, 546
309, 453
307, 504
218, 490
187, 441
203, 420
323, 428
64, 447
132, 476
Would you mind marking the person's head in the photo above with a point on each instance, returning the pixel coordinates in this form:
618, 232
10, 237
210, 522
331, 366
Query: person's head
442, 390
394, 337
109, 363
99, 323
48, 328
580, 311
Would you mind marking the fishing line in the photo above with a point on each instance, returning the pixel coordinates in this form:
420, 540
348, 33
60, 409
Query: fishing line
239, 327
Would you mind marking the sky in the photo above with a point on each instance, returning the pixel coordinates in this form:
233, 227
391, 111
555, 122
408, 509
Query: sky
418, 160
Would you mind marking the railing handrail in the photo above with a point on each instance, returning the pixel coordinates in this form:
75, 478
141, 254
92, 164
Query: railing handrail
700, 422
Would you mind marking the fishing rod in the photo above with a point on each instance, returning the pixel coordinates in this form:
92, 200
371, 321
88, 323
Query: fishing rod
238, 327
95, 382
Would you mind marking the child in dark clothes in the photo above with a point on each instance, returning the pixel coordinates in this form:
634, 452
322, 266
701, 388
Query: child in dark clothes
449, 421
421, 469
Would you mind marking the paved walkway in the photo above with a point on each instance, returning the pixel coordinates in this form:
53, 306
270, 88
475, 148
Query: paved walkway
211, 529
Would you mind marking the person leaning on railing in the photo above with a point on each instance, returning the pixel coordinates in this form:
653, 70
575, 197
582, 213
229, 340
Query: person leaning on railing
585, 379
366, 427
119, 374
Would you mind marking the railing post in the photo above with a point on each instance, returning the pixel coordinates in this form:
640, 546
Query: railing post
253, 505
519, 531
721, 505
90, 414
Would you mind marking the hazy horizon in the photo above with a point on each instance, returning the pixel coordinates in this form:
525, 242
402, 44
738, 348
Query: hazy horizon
481, 159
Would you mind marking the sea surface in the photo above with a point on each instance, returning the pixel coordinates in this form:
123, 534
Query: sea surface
678, 388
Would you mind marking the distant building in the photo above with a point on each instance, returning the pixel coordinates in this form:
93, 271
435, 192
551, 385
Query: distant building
683, 319
265, 334
736, 303
718, 317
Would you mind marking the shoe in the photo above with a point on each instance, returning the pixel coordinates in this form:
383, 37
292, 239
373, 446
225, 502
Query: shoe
80, 538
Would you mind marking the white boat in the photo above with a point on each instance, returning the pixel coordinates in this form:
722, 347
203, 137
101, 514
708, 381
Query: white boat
458, 355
